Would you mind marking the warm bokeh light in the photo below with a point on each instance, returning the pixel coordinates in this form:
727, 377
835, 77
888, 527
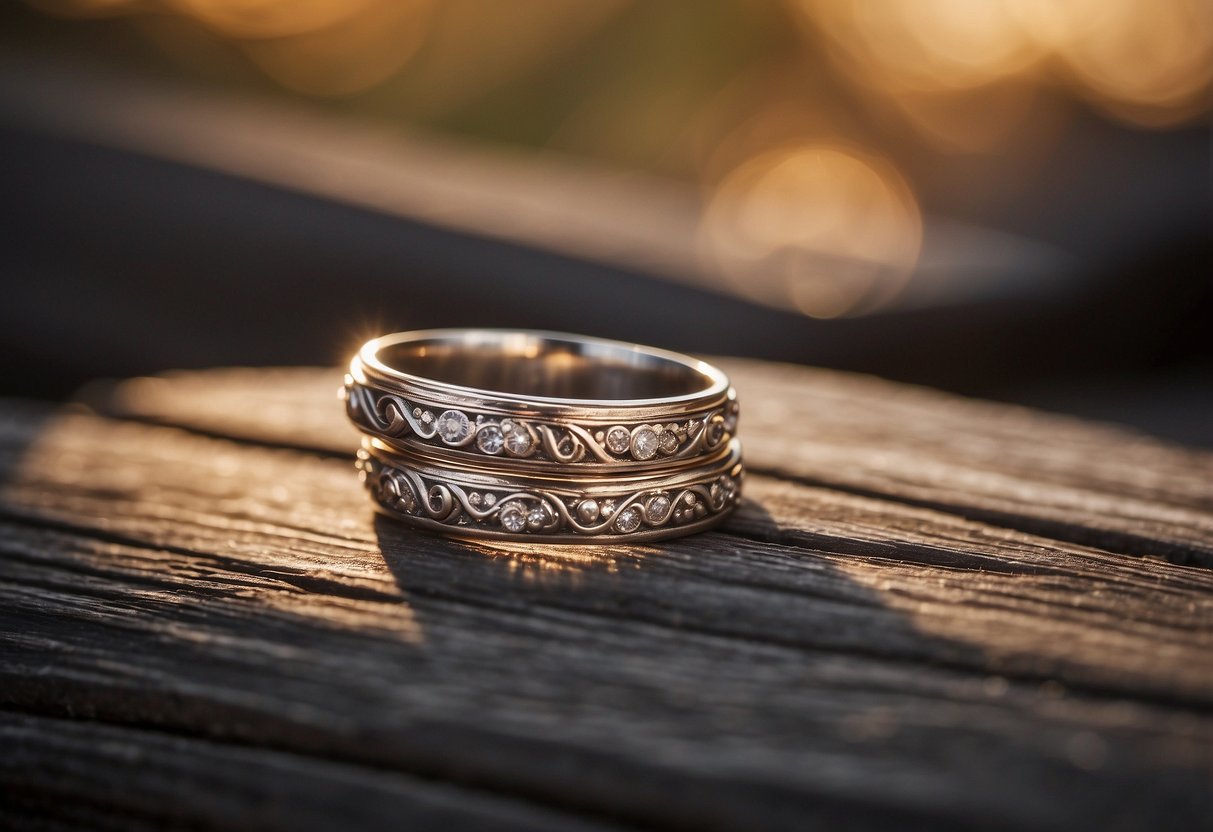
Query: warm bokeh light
348, 55
1147, 63
317, 47
983, 119
270, 18
341, 48
923, 45
803, 146
233, 18
816, 227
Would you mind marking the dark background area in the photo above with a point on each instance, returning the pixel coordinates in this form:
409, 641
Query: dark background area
126, 252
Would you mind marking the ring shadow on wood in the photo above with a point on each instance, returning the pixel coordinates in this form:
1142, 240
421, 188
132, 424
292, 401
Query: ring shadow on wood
684, 636
713, 639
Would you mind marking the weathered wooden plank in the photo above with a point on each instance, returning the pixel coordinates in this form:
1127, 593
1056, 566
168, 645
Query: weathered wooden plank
1100, 485
1092, 484
830, 656
90, 775
988, 564
694, 746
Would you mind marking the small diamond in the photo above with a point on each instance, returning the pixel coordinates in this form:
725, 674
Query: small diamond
513, 516
416, 412
427, 417
587, 510
644, 443
454, 427
657, 509
489, 499
490, 439
618, 440
730, 487
537, 517
517, 438
474, 498
667, 442
628, 520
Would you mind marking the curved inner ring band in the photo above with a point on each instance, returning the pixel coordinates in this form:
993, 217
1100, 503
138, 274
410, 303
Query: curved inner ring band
539, 368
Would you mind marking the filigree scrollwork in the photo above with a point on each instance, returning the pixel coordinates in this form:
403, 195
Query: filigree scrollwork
539, 512
392, 416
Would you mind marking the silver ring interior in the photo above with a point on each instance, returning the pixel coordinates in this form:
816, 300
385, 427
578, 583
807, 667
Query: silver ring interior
538, 370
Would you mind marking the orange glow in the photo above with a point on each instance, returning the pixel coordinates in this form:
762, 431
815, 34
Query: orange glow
794, 217
923, 44
233, 18
344, 47
818, 227
978, 120
83, 8
1147, 63
269, 18
352, 53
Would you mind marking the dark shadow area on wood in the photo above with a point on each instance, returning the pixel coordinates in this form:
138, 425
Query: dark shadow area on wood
718, 611
21, 422
714, 599
142, 778
599, 609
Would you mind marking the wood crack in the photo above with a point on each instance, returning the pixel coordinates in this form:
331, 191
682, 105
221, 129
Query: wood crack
1108, 540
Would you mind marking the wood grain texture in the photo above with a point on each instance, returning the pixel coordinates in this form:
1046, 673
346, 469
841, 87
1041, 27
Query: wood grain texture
876, 639
1009, 466
77, 774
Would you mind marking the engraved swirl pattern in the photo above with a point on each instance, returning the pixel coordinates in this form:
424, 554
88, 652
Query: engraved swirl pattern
392, 416
543, 513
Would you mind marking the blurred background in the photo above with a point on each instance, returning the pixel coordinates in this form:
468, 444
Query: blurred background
1005, 198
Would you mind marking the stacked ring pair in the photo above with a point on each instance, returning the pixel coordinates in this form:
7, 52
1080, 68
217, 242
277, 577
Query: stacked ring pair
530, 435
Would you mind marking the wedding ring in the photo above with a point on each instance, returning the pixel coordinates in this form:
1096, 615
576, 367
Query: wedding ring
478, 503
524, 435
542, 397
